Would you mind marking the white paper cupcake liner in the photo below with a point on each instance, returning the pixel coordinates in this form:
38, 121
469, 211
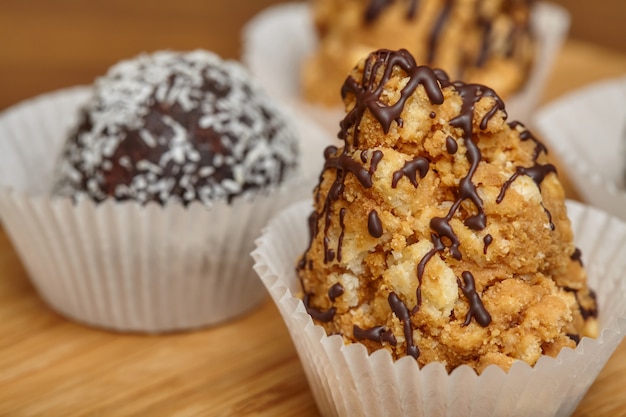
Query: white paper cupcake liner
123, 266
346, 381
277, 41
587, 131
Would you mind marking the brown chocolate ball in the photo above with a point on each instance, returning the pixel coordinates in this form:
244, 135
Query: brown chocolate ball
176, 127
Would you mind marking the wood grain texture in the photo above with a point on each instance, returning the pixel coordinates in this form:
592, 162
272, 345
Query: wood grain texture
50, 366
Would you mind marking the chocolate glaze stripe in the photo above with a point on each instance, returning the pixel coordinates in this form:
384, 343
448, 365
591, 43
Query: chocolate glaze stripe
421, 267
477, 309
525, 135
364, 156
335, 292
402, 312
483, 53
410, 169
577, 256
516, 35
377, 156
376, 334
317, 314
519, 28
369, 90
451, 145
374, 225
376, 7
435, 34
585, 312
537, 173
549, 215
342, 225
471, 94
343, 164
487, 240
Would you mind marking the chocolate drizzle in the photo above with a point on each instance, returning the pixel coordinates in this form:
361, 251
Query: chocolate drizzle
483, 52
586, 313
410, 169
527, 135
577, 256
376, 7
451, 145
335, 291
487, 241
317, 314
342, 225
511, 48
374, 225
343, 164
435, 34
537, 172
421, 267
377, 334
370, 89
402, 312
471, 94
477, 309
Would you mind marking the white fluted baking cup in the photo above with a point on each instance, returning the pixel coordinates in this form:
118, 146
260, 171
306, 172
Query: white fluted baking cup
277, 41
124, 266
346, 381
587, 131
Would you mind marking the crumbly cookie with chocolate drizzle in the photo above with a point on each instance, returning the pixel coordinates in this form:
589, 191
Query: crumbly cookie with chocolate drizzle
440, 230
173, 126
481, 41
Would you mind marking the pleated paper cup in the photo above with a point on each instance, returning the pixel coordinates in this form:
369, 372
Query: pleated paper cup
586, 129
346, 381
121, 265
277, 41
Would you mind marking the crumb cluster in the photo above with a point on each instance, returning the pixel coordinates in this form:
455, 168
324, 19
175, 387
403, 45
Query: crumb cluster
440, 230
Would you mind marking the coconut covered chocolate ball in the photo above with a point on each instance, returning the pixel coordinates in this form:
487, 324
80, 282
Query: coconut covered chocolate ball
176, 127
439, 229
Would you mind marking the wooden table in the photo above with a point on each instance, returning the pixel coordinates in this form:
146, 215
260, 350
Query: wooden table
50, 366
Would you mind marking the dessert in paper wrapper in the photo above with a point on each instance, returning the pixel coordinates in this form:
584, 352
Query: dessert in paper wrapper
439, 230
439, 237
477, 41
346, 381
278, 42
128, 265
596, 167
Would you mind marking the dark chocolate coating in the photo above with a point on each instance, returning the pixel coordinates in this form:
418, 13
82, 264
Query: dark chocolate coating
176, 127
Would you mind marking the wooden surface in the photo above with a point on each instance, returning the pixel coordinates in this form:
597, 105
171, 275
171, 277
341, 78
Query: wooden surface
50, 366
598, 21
